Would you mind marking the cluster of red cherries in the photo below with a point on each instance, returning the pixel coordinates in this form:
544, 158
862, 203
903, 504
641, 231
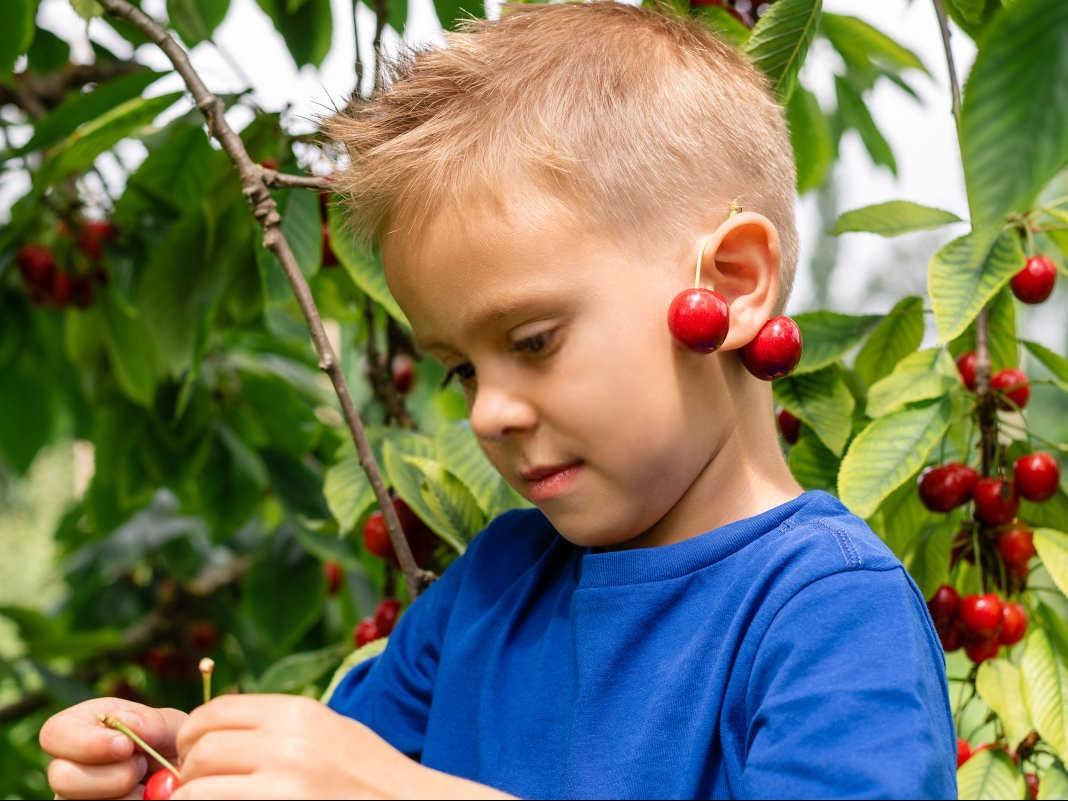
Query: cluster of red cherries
49, 285
979, 623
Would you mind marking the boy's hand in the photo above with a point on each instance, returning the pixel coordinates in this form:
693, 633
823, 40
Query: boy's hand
91, 760
285, 746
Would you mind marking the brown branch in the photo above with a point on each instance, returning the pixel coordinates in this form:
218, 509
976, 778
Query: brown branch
266, 212
282, 180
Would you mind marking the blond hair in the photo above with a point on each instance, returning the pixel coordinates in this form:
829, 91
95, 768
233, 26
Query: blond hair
644, 119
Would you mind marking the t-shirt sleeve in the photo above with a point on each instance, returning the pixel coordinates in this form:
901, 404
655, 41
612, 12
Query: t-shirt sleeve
848, 696
391, 693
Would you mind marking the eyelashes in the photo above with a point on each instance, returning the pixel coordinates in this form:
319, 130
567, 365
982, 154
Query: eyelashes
466, 371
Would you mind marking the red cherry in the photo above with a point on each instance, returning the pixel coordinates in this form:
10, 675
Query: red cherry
36, 263
403, 372
1013, 623
1012, 384
979, 650
376, 535
386, 615
966, 368
1016, 545
1032, 785
62, 288
996, 502
943, 604
950, 635
269, 164
964, 750
93, 235
329, 257
1036, 476
947, 487
333, 574
82, 291
699, 318
161, 784
789, 426
980, 615
365, 632
1034, 283
775, 350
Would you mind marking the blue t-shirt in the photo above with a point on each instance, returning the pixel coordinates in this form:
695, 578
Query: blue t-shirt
787, 655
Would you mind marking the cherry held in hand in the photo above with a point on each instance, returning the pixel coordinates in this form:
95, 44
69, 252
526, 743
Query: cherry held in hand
161, 785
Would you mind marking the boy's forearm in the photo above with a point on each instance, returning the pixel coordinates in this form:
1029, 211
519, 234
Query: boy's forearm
436, 784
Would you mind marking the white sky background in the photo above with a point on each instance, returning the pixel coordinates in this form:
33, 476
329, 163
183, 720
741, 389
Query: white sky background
921, 136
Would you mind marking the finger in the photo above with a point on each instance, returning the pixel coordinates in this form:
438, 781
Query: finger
75, 780
78, 735
231, 787
227, 752
244, 711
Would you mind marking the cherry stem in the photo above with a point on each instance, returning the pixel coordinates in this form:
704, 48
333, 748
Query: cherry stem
207, 665
700, 258
114, 723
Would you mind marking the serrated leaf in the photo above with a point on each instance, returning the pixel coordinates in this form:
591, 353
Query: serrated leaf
822, 401
780, 40
923, 375
893, 218
1052, 547
1051, 360
1053, 784
361, 654
348, 491
459, 452
1045, 689
854, 114
990, 774
455, 510
898, 334
406, 479
887, 452
1013, 142
810, 136
828, 336
866, 48
294, 672
998, 684
812, 464
966, 273
363, 266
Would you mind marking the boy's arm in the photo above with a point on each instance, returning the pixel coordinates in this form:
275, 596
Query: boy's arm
848, 696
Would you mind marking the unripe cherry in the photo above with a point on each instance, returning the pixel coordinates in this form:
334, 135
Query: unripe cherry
995, 501
775, 351
1036, 476
789, 427
1034, 283
1014, 386
1013, 623
966, 368
980, 614
699, 318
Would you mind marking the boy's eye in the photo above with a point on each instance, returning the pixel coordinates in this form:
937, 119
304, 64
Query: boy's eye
466, 370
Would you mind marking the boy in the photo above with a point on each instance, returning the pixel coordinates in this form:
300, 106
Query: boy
676, 618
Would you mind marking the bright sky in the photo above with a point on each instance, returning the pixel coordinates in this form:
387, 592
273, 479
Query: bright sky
922, 136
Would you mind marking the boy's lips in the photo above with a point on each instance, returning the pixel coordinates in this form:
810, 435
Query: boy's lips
538, 473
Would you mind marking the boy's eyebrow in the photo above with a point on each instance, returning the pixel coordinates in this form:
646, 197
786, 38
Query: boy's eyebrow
495, 310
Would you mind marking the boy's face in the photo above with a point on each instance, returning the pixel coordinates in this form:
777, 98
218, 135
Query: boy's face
602, 381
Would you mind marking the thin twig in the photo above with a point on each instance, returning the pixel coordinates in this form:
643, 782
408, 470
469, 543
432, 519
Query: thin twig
265, 210
282, 180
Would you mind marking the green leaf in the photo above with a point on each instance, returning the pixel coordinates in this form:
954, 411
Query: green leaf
966, 273
865, 48
48, 52
364, 267
923, 375
362, 654
723, 24
306, 30
1051, 513
398, 14
893, 218
348, 491
1001, 331
990, 774
87, 9
810, 135
887, 452
302, 228
822, 401
812, 464
927, 556
457, 518
854, 114
130, 350
828, 336
81, 107
80, 149
1052, 547
1012, 141
902, 518
283, 592
196, 20
452, 11
294, 672
459, 452
899, 334
998, 683
406, 479
28, 420
1051, 360
780, 40
16, 33
1045, 689
1053, 783
48, 638
299, 487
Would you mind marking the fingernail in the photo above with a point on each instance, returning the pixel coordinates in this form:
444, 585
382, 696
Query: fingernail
120, 745
142, 765
131, 719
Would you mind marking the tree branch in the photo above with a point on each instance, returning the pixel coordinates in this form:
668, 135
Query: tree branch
281, 180
265, 210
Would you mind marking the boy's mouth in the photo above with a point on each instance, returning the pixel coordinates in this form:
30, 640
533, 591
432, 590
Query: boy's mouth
548, 482
538, 473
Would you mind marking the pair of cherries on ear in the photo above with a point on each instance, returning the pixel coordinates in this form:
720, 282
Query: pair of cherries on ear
699, 318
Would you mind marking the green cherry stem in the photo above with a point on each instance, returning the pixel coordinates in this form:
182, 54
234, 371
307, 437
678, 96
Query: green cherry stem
114, 723
207, 665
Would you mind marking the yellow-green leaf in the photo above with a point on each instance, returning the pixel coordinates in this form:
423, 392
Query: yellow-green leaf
1053, 784
822, 401
1052, 547
455, 510
363, 266
990, 774
1045, 690
361, 654
898, 335
827, 336
893, 218
925, 374
998, 684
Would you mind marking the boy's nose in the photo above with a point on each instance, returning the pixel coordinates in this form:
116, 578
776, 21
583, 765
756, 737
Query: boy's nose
495, 413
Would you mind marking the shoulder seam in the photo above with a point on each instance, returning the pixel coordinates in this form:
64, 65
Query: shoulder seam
845, 543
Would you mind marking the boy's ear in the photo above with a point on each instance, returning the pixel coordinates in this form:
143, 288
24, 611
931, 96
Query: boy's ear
741, 261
